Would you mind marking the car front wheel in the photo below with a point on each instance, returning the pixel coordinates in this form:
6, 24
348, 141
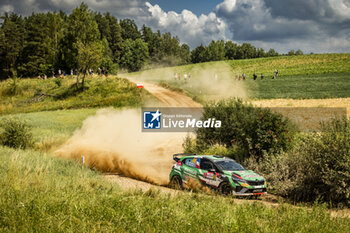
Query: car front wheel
225, 188
175, 182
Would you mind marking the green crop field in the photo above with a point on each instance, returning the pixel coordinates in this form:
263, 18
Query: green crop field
300, 77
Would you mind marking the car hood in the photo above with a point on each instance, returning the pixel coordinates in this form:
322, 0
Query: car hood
246, 174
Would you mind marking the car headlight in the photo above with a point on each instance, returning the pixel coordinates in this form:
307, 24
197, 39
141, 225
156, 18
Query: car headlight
245, 185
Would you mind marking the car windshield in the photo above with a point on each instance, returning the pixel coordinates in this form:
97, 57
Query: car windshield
229, 165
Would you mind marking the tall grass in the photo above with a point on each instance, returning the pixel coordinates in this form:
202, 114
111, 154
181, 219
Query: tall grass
40, 193
41, 95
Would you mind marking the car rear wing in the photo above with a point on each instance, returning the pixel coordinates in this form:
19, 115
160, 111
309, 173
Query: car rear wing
176, 157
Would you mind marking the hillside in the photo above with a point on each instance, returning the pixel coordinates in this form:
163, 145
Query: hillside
31, 95
299, 77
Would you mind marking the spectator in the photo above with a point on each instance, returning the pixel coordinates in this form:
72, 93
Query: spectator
243, 75
262, 76
254, 76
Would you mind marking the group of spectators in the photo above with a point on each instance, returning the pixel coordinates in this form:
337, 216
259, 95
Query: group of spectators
178, 76
255, 76
187, 76
62, 74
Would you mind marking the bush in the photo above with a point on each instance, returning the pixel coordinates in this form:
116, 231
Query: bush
252, 130
318, 168
325, 164
16, 134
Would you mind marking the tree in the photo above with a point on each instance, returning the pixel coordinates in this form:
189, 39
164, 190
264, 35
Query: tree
110, 29
217, 50
43, 33
246, 51
129, 29
299, 52
107, 58
291, 53
230, 50
271, 53
134, 54
81, 28
89, 57
260, 53
200, 54
12, 41
185, 53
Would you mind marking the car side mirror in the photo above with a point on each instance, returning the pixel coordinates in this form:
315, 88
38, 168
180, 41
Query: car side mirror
212, 170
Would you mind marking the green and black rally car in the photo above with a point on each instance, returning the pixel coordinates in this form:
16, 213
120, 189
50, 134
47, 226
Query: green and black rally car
220, 173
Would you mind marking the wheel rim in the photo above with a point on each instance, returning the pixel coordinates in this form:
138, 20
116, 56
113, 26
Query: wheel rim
225, 189
176, 183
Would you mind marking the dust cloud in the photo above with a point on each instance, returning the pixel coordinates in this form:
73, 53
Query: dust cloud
112, 141
212, 81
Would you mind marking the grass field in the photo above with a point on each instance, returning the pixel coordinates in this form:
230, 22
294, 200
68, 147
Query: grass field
317, 86
100, 92
41, 193
300, 77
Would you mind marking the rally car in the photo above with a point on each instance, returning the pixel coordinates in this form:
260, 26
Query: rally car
220, 173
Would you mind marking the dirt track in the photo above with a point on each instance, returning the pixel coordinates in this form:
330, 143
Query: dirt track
169, 99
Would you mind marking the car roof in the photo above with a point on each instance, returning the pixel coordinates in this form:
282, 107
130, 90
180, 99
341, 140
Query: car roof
212, 157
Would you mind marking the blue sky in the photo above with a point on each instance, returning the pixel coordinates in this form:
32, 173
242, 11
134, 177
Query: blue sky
319, 26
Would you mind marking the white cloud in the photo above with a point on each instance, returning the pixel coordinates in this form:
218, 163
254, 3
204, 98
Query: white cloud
187, 26
276, 25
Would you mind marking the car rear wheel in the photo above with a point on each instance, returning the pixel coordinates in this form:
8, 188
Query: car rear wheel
225, 188
176, 182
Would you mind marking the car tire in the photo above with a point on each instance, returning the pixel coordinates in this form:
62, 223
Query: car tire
176, 182
225, 188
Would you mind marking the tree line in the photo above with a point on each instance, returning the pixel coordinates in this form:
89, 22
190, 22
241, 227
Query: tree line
42, 43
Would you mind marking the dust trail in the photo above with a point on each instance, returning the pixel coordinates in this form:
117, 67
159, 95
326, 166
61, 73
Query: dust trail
112, 141
213, 81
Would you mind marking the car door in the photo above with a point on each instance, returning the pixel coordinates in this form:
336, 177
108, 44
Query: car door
190, 167
208, 173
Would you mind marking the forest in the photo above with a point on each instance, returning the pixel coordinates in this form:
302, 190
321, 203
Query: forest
43, 43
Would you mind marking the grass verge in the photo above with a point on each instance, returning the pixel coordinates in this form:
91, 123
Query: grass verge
47, 194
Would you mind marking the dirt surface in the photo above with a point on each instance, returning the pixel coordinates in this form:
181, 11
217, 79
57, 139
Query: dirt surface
169, 99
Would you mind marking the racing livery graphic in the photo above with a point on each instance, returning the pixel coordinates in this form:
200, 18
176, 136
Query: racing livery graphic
220, 173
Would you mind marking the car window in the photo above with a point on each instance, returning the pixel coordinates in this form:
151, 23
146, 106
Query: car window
206, 165
191, 162
229, 165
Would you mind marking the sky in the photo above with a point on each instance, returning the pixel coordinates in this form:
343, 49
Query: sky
318, 26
